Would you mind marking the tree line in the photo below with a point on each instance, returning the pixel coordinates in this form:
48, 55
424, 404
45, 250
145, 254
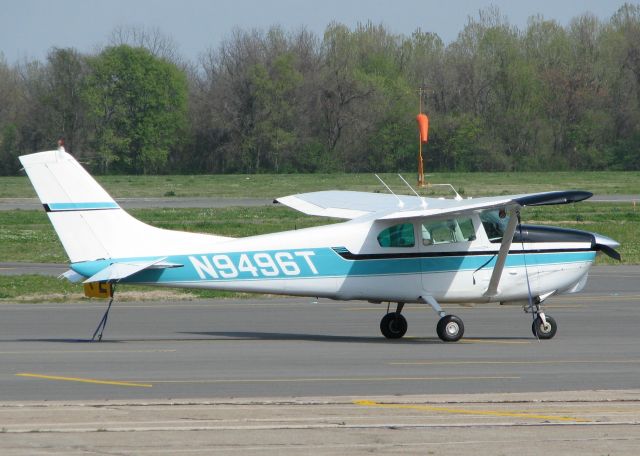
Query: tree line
499, 98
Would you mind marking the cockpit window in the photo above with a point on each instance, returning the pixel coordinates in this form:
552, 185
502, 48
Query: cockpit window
448, 231
397, 236
495, 223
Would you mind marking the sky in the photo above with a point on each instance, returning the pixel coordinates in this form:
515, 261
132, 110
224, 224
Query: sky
29, 28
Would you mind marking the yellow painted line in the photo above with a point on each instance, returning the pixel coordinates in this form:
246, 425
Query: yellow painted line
428, 408
84, 380
335, 379
453, 363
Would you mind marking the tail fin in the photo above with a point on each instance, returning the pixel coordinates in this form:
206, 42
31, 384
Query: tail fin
89, 223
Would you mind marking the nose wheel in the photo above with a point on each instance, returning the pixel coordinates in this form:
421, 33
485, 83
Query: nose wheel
544, 329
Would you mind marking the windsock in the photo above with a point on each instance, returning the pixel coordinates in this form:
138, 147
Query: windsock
423, 127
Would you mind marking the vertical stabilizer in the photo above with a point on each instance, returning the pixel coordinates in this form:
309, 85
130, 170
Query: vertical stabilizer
89, 223
70, 196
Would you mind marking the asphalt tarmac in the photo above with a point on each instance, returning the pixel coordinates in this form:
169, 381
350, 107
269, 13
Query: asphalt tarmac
291, 376
296, 347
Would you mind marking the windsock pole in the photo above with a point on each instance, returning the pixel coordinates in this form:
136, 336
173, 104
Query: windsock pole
421, 183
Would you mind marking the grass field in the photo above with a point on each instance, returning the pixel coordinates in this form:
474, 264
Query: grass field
271, 186
39, 288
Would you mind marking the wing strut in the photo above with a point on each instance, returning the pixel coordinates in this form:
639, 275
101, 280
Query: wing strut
507, 240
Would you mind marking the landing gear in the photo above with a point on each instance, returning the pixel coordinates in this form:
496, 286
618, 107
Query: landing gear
544, 329
543, 326
393, 325
450, 328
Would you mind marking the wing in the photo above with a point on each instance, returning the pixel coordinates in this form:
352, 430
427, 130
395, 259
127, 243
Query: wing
389, 207
351, 205
345, 204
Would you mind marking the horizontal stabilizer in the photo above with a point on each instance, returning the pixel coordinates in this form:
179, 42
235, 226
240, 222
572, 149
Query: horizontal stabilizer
121, 270
72, 276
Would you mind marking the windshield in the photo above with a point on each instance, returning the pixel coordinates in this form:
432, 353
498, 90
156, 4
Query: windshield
494, 223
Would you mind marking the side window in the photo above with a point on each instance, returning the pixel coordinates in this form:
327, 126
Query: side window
494, 223
397, 236
448, 231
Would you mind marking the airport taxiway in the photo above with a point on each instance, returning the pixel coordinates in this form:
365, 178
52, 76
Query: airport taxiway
295, 347
291, 376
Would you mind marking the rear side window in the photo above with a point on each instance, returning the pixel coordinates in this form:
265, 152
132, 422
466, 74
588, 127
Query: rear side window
397, 236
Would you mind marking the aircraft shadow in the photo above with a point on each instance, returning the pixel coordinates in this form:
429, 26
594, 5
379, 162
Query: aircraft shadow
275, 336
68, 341
240, 335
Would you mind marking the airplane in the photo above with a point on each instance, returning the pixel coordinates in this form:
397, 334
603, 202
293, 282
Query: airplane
390, 248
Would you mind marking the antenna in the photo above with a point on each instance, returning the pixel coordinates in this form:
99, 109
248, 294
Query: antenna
400, 203
423, 203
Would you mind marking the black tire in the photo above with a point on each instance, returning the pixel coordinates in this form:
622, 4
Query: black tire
450, 328
393, 325
544, 331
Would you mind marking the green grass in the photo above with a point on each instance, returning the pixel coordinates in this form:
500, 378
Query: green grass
234, 221
271, 185
29, 237
12, 287
38, 288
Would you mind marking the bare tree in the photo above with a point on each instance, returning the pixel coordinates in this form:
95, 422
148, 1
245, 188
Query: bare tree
154, 40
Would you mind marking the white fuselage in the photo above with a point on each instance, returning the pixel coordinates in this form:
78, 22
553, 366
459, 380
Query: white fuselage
353, 260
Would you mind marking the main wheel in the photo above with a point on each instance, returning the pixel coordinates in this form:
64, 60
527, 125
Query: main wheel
393, 325
450, 328
543, 331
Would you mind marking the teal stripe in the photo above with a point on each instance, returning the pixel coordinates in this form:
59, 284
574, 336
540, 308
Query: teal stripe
89, 205
330, 264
